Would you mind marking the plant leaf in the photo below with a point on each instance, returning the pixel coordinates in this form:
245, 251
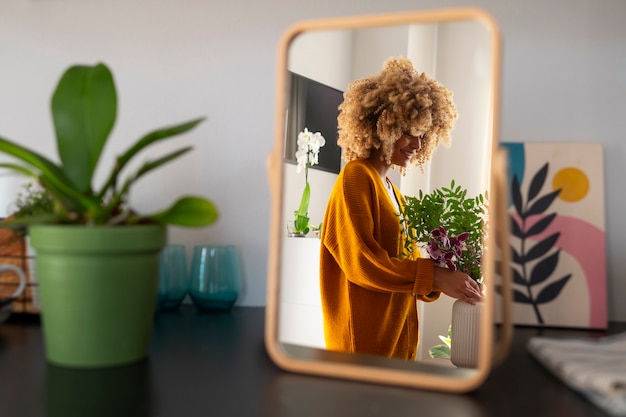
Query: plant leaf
70, 198
542, 247
516, 194
518, 278
520, 297
32, 158
50, 175
151, 165
543, 203
544, 268
516, 257
439, 352
188, 211
84, 107
149, 139
304, 202
541, 225
537, 182
301, 224
552, 291
516, 230
147, 167
20, 169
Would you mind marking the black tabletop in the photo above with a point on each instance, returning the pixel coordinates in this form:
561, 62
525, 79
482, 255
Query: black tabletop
216, 365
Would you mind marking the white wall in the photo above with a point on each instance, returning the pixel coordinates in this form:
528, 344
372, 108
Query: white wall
563, 81
325, 57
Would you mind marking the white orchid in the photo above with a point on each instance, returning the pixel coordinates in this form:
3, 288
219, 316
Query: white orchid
309, 145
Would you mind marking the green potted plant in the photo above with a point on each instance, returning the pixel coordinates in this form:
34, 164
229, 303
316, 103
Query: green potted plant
450, 225
451, 228
97, 258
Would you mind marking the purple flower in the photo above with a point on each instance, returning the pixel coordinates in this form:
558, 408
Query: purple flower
446, 251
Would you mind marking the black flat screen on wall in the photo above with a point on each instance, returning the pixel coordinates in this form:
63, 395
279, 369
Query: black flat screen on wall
315, 106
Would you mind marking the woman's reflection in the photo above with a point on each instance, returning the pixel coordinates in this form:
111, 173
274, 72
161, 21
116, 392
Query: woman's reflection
396, 118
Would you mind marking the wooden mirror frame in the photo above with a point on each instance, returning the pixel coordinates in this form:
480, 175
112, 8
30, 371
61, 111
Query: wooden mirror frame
321, 362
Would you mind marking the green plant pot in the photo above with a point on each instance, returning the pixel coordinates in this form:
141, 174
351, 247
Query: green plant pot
97, 291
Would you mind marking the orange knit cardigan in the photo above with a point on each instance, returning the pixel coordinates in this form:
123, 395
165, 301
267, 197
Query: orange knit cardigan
368, 294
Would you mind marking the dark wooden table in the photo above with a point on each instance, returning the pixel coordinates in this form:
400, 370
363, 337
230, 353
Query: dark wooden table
216, 365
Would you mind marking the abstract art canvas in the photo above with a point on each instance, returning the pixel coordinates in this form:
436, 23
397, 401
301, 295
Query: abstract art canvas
557, 234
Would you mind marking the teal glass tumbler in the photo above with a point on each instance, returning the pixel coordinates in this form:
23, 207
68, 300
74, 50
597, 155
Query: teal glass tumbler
173, 278
215, 277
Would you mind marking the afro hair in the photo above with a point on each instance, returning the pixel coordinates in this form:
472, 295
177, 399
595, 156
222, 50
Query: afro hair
377, 110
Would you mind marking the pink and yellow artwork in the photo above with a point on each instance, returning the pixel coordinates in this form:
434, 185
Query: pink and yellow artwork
557, 239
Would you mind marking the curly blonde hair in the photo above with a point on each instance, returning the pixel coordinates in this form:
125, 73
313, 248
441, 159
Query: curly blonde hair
377, 110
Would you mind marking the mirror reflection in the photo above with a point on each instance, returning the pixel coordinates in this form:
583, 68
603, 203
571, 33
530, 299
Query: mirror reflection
454, 56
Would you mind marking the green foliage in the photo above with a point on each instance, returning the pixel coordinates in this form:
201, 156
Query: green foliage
442, 351
84, 107
33, 201
451, 208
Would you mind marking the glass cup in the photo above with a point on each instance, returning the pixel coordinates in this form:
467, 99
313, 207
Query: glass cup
215, 277
173, 278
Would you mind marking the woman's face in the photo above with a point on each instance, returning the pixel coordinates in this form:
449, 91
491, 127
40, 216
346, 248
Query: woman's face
405, 148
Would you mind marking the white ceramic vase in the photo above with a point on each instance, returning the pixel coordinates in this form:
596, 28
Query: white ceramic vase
465, 333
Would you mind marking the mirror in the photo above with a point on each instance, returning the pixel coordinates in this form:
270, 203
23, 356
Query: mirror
317, 60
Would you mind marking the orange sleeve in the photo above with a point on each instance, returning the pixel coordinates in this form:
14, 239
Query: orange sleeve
362, 233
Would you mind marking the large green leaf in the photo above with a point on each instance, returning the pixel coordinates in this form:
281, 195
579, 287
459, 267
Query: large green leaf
145, 168
50, 174
150, 138
31, 157
188, 211
84, 107
304, 202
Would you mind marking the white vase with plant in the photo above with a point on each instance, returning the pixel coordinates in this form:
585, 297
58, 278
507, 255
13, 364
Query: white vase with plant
307, 155
450, 227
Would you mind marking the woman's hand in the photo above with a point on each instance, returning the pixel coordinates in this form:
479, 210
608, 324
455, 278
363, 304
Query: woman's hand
457, 284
